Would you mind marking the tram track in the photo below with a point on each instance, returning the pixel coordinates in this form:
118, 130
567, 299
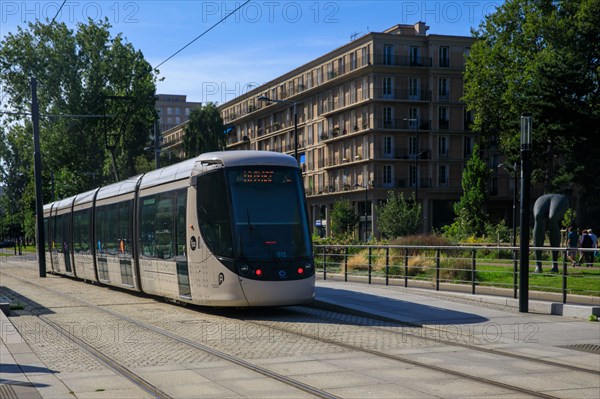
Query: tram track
433, 334
141, 382
115, 366
421, 364
307, 313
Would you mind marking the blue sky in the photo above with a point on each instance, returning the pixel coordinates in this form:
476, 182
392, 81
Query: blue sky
262, 40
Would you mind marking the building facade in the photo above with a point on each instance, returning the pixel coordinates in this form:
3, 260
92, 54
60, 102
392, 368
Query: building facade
173, 110
381, 113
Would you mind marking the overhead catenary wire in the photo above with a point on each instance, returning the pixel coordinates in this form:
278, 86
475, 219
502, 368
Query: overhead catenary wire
202, 34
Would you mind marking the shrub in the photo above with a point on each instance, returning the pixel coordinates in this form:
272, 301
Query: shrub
423, 239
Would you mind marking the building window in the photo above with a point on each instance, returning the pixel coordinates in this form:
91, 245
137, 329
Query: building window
443, 88
388, 54
443, 147
413, 88
388, 175
365, 56
388, 117
444, 57
413, 117
443, 118
443, 175
353, 61
388, 147
412, 171
468, 147
412, 146
415, 55
388, 87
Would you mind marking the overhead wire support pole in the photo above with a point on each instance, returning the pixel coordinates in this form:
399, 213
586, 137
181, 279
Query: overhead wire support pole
37, 159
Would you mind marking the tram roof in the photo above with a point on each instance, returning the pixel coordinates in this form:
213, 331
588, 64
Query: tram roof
119, 188
249, 157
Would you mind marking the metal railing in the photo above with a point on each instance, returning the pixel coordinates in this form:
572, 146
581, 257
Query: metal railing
475, 269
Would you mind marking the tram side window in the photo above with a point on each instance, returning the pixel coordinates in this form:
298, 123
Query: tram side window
81, 231
124, 227
57, 237
213, 213
163, 225
113, 228
147, 226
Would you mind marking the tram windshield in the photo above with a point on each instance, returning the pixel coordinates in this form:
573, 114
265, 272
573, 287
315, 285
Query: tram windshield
267, 218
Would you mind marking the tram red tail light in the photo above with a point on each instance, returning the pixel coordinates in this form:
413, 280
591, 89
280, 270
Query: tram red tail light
300, 270
258, 272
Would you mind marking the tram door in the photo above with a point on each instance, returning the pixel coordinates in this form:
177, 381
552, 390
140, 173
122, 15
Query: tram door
183, 279
183, 275
67, 254
65, 234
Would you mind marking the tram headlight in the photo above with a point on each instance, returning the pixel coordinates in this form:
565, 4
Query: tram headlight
308, 266
245, 269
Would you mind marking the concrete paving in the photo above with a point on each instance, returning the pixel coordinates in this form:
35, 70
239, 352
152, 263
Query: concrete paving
485, 321
481, 320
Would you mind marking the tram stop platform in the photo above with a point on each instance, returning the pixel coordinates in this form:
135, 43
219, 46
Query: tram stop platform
486, 319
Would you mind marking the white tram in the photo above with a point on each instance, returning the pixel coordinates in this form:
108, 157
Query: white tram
223, 229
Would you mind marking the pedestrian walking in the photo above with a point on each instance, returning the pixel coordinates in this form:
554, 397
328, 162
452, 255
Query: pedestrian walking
587, 244
572, 242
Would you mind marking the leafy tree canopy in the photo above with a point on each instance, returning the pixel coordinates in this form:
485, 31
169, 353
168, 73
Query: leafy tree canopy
471, 216
541, 56
343, 218
79, 72
204, 131
398, 217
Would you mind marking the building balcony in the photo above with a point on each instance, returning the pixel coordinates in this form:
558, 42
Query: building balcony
401, 60
381, 93
401, 124
402, 153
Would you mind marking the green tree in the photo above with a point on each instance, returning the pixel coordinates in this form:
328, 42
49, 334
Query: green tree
471, 216
541, 56
343, 218
398, 217
204, 131
82, 72
86, 72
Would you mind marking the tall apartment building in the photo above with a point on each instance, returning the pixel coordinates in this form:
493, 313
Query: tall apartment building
173, 109
380, 113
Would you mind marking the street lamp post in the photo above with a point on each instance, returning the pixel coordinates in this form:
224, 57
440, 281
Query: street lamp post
525, 187
366, 187
293, 103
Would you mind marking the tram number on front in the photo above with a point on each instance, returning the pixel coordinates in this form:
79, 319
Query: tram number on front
281, 254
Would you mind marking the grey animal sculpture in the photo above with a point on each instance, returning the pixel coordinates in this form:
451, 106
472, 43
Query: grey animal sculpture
548, 211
